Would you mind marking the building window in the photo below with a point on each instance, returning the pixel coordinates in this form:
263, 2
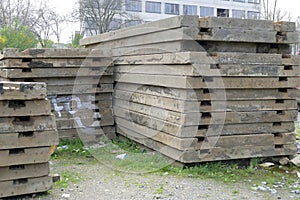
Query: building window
222, 12
253, 15
206, 11
243, 1
189, 10
134, 5
238, 14
153, 7
254, 1
172, 9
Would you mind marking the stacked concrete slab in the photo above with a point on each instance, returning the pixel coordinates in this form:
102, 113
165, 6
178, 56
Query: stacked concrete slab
79, 86
27, 132
206, 89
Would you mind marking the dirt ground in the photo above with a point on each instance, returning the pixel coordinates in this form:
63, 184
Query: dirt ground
93, 180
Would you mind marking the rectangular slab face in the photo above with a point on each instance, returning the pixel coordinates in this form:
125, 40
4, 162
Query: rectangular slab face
28, 139
9, 108
25, 186
215, 154
207, 94
79, 89
165, 24
203, 24
244, 129
63, 81
203, 118
53, 72
24, 171
45, 53
209, 82
201, 58
63, 123
205, 105
27, 123
22, 156
234, 23
22, 90
236, 70
55, 62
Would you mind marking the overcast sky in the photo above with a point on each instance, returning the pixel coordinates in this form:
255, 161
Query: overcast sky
65, 6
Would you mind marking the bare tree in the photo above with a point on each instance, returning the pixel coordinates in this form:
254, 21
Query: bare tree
39, 17
271, 11
99, 16
48, 24
16, 10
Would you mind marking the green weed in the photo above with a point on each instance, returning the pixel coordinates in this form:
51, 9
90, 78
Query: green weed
67, 178
68, 149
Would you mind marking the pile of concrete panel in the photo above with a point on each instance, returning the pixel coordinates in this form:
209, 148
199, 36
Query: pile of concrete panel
206, 89
79, 86
27, 132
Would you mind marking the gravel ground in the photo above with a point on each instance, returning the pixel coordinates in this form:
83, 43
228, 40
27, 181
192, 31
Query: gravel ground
100, 182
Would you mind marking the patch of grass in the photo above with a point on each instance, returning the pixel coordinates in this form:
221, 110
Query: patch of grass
70, 149
297, 130
235, 192
232, 173
136, 159
68, 178
160, 190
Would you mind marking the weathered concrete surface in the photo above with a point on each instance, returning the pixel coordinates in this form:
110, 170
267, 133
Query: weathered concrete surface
22, 91
25, 186
28, 139
24, 171
24, 156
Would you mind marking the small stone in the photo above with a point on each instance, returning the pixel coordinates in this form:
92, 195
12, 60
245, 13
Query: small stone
266, 165
190, 175
296, 161
284, 161
166, 173
55, 178
261, 188
297, 191
279, 197
121, 156
273, 191
264, 183
209, 188
66, 196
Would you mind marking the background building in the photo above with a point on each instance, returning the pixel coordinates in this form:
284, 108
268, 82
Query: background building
151, 10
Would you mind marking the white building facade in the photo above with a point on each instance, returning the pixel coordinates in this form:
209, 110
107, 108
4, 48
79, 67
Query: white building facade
152, 10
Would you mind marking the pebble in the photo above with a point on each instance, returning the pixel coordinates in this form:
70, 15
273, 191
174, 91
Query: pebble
264, 183
190, 175
66, 196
